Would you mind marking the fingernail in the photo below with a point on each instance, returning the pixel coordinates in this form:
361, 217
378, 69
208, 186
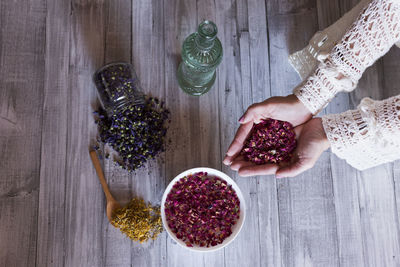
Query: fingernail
241, 119
226, 161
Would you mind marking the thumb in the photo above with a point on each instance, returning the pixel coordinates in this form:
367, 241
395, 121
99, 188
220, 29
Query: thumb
298, 129
293, 169
252, 113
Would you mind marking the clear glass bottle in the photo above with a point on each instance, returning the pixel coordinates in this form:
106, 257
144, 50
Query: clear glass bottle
118, 87
201, 54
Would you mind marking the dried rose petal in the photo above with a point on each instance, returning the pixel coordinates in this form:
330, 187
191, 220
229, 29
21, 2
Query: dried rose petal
270, 141
202, 209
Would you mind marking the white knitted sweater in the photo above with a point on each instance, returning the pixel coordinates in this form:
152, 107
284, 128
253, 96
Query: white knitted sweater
369, 135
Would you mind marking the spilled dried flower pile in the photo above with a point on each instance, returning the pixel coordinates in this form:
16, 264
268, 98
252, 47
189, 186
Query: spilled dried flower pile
134, 126
270, 141
136, 133
138, 220
202, 209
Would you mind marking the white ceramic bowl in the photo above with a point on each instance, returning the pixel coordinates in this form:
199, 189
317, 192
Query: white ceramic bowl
235, 229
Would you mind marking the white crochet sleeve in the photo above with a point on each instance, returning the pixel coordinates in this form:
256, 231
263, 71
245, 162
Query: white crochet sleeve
368, 136
371, 36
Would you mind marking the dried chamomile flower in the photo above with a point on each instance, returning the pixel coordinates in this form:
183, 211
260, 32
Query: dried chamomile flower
138, 220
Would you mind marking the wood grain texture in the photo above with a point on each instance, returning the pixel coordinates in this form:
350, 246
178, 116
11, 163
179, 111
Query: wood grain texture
22, 57
117, 47
391, 81
344, 177
184, 132
260, 83
237, 96
376, 191
51, 221
148, 59
84, 211
306, 203
209, 125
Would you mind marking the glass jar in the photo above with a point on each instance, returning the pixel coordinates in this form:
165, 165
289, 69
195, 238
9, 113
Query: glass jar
201, 54
118, 87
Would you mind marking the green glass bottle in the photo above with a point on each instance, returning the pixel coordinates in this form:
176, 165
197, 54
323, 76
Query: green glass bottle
201, 54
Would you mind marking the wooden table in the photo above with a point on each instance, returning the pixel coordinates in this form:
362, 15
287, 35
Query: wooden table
52, 209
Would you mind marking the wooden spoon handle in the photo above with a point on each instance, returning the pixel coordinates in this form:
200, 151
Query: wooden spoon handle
100, 174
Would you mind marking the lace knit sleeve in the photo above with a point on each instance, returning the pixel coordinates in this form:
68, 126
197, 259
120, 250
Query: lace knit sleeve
367, 136
371, 36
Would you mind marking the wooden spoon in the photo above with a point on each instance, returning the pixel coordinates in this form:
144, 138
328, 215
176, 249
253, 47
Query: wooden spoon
112, 204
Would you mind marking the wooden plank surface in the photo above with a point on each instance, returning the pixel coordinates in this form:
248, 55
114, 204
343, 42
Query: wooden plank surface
148, 58
180, 17
234, 85
253, 45
117, 47
51, 219
22, 57
52, 208
306, 204
376, 195
209, 126
391, 81
344, 178
85, 204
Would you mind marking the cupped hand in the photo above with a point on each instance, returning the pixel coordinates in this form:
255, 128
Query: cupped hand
285, 108
311, 142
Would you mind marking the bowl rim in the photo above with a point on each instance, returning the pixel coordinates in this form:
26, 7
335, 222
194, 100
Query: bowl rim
236, 228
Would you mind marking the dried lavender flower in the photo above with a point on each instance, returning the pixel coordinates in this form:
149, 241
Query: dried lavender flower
136, 133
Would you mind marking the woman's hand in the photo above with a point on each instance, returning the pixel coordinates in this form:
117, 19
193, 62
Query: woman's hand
311, 142
285, 108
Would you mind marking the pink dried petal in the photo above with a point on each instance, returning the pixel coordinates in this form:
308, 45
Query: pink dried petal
270, 141
202, 206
